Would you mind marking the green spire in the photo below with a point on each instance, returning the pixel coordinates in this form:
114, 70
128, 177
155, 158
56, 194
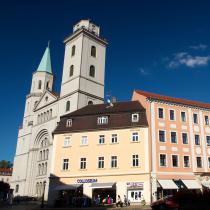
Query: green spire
45, 64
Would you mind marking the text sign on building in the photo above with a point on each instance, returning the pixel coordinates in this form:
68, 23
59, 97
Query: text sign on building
135, 185
86, 180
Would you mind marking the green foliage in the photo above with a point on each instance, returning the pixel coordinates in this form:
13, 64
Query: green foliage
5, 164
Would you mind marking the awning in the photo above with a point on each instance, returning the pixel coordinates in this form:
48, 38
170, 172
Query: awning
191, 184
167, 184
67, 187
103, 185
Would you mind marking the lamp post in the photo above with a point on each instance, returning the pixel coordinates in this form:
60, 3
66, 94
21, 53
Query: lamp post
42, 203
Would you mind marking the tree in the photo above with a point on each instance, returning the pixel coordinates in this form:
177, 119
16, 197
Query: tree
5, 164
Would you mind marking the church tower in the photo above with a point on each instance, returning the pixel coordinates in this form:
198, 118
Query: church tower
83, 69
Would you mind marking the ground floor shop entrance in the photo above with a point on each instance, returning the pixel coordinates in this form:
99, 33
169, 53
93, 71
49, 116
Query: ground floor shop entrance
103, 193
135, 191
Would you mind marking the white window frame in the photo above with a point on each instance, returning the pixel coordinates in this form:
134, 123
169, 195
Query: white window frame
69, 123
206, 141
101, 162
135, 138
185, 116
100, 138
135, 160
189, 161
165, 161
177, 161
176, 137
82, 140
159, 136
135, 115
170, 115
114, 137
83, 163
163, 113
102, 120
205, 120
66, 163
67, 141
115, 161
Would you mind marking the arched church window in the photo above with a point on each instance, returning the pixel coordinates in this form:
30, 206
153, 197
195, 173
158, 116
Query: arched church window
93, 51
67, 106
40, 155
40, 84
50, 113
47, 154
48, 85
73, 50
42, 117
92, 71
90, 102
71, 70
45, 171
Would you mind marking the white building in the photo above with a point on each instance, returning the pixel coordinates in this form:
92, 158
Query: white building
82, 84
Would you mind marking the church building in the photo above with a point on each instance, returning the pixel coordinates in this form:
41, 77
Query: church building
82, 84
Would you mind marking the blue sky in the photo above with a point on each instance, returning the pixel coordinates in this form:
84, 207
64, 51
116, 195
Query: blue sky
158, 46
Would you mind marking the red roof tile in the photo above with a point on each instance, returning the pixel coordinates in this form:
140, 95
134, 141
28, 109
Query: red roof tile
172, 99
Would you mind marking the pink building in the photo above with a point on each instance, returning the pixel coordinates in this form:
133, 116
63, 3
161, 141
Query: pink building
179, 130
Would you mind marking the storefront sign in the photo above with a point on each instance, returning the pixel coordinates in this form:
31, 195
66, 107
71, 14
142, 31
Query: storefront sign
135, 185
86, 180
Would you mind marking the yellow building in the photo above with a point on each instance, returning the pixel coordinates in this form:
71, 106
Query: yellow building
99, 151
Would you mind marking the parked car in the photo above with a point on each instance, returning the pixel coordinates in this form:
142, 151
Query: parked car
168, 202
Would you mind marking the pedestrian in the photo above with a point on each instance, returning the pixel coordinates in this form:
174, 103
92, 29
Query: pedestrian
119, 201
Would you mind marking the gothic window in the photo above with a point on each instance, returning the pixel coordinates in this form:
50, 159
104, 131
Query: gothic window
92, 71
67, 106
40, 84
50, 113
42, 119
93, 51
73, 50
45, 168
71, 70
40, 155
39, 169
48, 85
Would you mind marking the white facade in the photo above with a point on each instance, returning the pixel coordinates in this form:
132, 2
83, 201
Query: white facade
43, 108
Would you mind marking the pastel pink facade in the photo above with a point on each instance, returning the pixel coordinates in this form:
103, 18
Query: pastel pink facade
178, 129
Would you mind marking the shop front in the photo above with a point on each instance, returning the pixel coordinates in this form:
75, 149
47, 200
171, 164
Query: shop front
135, 191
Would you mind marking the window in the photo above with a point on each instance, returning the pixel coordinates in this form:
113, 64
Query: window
40, 84
16, 188
184, 138
135, 137
92, 71
135, 117
93, 51
160, 113
101, 139
206, 120
103, 120
162, 136
173, 137
162, 160
90, 102
73, 50
135, 160
175, 160
113, 161
209, 162
71, 72
186, 161
84, 140
199, 162
195, 118
65, 164
197, 139
114, 138
172, 115
183, 116
67, 106
208, 140
48, 85
100, 162
69, 123
83, 163
66, 142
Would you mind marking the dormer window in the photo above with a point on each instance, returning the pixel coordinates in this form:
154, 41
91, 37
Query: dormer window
69, 123
102, 120
135, 117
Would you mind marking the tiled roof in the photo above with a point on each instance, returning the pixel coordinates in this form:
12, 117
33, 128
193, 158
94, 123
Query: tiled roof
172, 99
119, 116
6, 171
